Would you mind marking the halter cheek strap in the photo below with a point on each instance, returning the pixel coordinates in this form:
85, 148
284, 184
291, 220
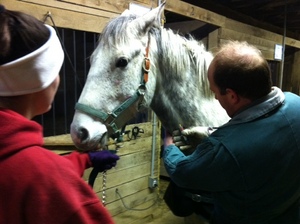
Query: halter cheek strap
146, 65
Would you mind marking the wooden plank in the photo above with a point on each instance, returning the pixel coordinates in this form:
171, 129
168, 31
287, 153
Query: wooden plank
127, 161
62, 17
146, 219
192, 11
61, 151
74, 7
132, 201
295, 77
224, 35
122, 176
251, 30
132, 146
134, 159
141, 213
213, 41
142, 145
66, 140
115, 6
59, 140
128, 188
62, 144
268, 54
261, 43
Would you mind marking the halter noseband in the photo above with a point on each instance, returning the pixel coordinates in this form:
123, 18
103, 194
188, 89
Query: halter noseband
113, 120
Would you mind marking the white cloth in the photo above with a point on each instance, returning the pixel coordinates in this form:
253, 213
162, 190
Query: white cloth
32, 72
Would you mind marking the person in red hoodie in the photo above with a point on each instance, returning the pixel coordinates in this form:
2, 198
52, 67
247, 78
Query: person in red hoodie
37, 185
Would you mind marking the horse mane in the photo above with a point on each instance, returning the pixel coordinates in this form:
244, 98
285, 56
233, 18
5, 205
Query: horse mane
178, 52
183, 54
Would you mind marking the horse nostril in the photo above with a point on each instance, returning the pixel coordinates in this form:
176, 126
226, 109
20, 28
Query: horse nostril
83, 134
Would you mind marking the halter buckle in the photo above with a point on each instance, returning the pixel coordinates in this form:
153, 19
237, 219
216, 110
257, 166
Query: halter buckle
146, 65
142, 90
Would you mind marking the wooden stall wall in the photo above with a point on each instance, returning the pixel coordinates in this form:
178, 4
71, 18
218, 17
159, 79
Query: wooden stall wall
86, 15
129, 194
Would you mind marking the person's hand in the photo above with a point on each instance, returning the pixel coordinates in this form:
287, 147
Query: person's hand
168, 139
103, 160
199, 132
180, 140
189, 138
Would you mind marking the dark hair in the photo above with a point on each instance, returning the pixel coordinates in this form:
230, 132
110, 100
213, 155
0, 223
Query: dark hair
242, 68
20, 34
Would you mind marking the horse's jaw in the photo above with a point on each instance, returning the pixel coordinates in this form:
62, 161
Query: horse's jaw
167, 115
187, 111
88, 134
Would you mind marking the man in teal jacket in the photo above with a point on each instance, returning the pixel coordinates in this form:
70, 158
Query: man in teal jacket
250, 164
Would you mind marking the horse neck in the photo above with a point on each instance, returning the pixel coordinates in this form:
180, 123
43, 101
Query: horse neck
181, 84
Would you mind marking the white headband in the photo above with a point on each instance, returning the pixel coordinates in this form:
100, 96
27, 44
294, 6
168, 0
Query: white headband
34, 71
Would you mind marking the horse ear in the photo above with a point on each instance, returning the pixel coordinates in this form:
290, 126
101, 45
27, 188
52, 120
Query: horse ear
152, 18
126, 12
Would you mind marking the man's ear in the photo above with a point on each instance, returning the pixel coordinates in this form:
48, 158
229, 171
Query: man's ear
232, 96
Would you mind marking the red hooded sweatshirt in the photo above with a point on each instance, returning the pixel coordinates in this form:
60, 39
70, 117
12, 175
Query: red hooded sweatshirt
39, 186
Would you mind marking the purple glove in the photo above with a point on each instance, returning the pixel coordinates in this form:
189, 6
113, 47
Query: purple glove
103, 160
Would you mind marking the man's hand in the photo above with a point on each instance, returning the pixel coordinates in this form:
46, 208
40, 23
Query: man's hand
199, 132
168, 139
180, 140
189, 138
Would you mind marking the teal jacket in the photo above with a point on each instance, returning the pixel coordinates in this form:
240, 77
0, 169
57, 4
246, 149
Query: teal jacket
251, 164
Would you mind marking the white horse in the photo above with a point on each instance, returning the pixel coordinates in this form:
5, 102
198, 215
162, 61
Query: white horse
138, 64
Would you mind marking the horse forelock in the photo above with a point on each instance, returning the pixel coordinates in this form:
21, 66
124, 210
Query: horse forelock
183, 56
115, 31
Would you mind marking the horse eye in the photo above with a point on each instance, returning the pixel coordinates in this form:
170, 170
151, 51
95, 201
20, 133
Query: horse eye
122, 62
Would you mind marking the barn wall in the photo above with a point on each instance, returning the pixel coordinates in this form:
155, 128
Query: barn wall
128, 196
86, 15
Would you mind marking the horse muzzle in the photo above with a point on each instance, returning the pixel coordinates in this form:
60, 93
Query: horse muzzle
88, 134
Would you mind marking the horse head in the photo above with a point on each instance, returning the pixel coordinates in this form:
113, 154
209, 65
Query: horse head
118, 84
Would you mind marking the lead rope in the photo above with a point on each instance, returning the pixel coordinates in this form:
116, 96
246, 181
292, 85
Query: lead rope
104, 187
104, 175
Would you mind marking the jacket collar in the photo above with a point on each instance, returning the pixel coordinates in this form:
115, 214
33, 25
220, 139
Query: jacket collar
260, 107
